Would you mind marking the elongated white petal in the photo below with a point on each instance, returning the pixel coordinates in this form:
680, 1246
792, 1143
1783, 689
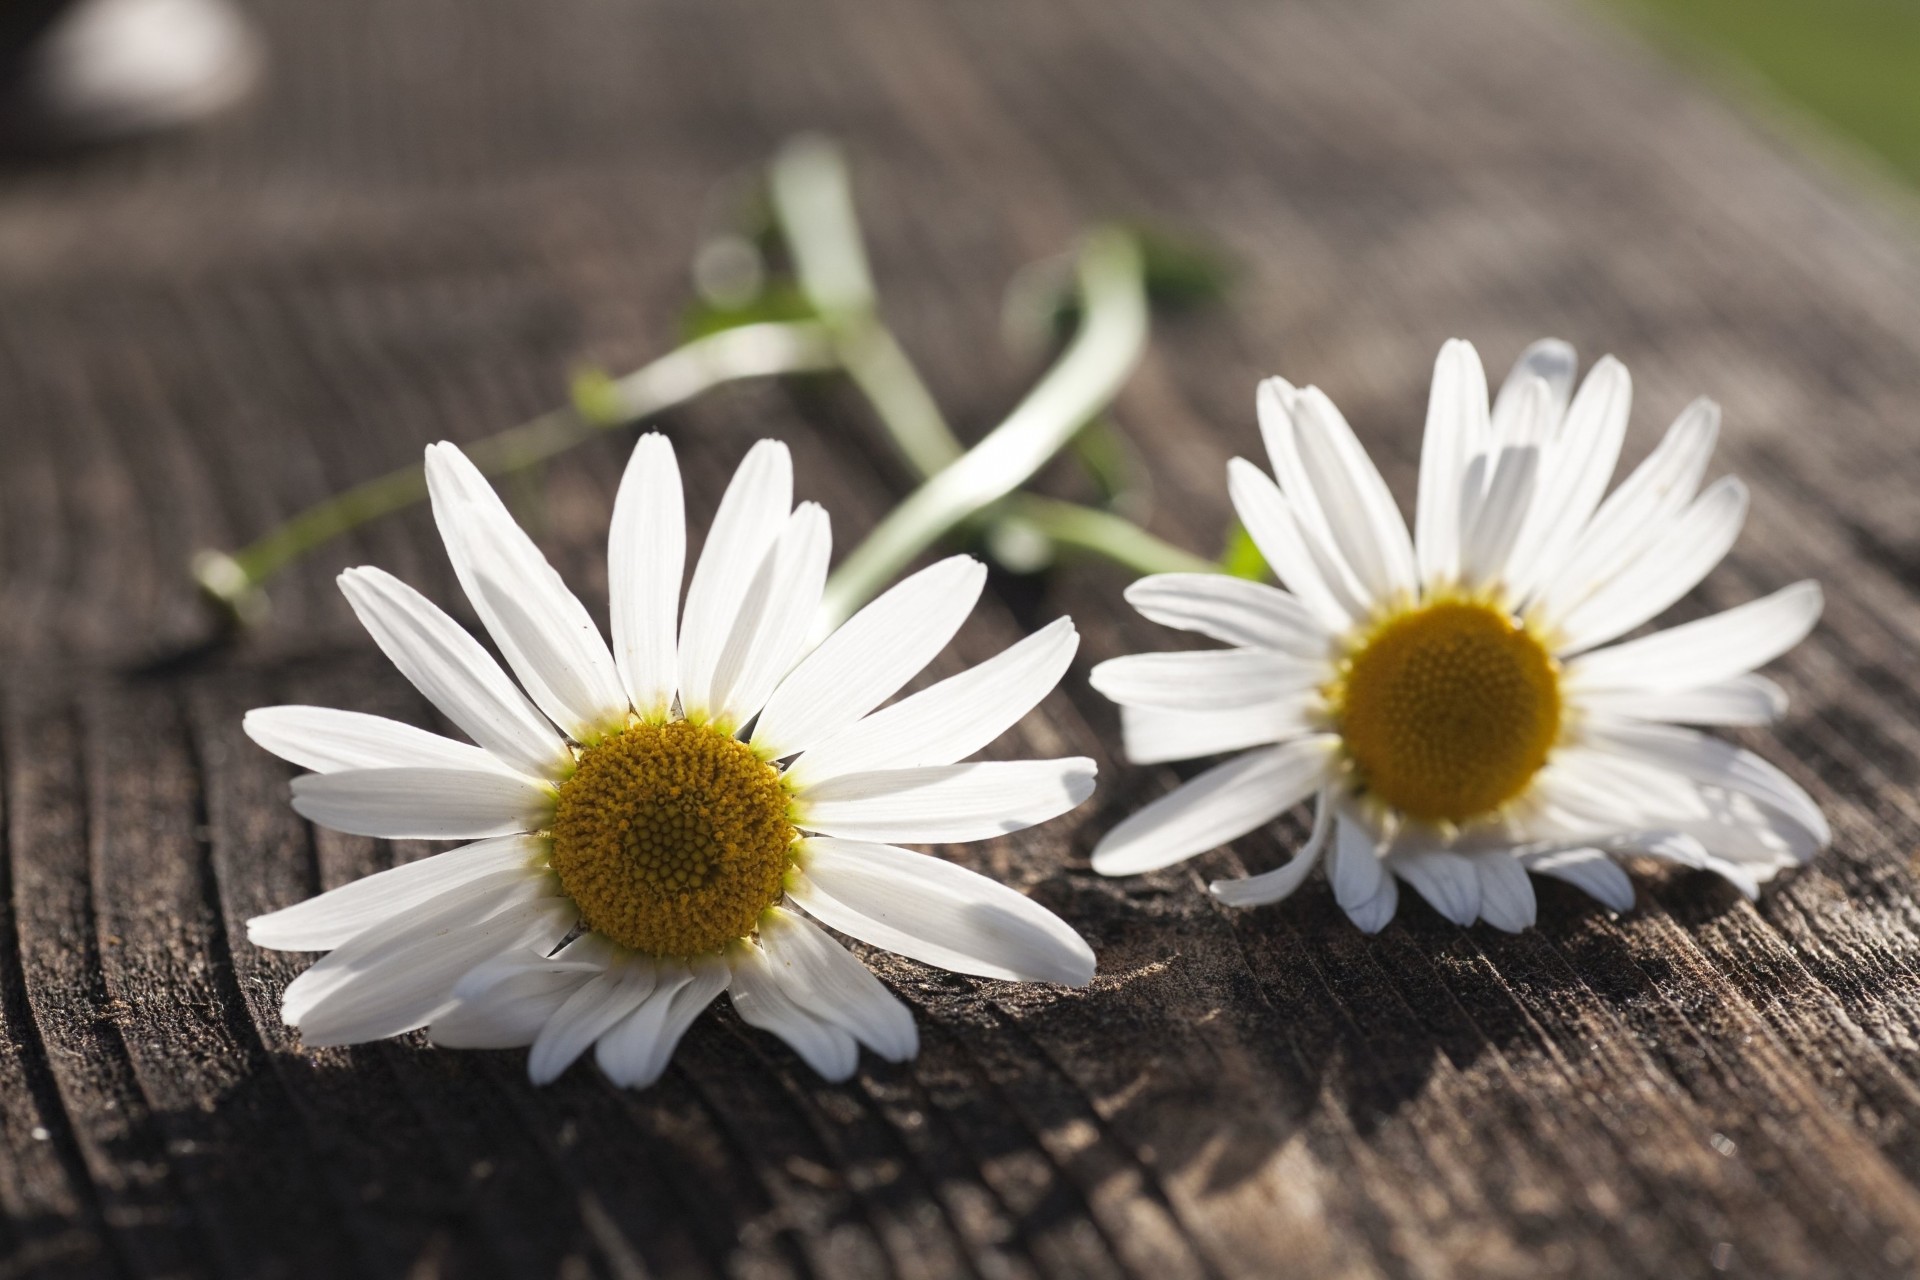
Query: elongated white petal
543, 631
423, 804
503, 1003
1359, 877
1637, 515
404, 979
1487, 545
636, 1051
933, 911
646, 560
1742, 700
1447, 881
762, 1001
1232, 610
822, 977
1588, 870
1506, 895
1306, 569
327, 741
1644, 589
945, 804
1366, 525
1154, 735
950, 720
454, 673
1578, 464
1549, 361
1457, 429
331, 919
1205, 679
751, 515
1272, 886
1705, 652
869, 658
1713, 763
775, 616
590, 1010
1222, 804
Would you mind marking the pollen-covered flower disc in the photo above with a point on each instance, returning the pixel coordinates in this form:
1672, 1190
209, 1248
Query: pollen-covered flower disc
1458, 700
663, 819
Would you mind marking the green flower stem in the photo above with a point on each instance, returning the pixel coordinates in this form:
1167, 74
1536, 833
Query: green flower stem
1098, 361
1116, 537
233, 579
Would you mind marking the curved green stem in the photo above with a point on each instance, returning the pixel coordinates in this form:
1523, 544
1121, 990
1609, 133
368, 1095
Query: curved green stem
1115, 537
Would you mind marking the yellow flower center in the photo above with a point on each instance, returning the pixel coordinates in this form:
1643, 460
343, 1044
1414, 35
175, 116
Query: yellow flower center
672, 839
1448, 710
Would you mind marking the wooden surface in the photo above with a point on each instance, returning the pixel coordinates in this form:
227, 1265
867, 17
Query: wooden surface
438, 208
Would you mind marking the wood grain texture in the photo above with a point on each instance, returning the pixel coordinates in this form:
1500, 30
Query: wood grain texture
437, 209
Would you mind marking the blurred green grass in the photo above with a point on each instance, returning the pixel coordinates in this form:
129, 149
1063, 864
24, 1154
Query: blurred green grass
1853, 64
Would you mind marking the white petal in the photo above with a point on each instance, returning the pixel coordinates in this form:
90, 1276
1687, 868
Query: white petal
454, 673
1359, 509
1359, 877
760, 1000
1644, 589
1588, 870
646, 559
1636, 516
423, 804
948, 721
751, 515
331, 919
1713, 763
1232, 610
1206, 679
822, 977
408, 981
930, 910
1447, 881
636, 1052
869, 657
1222, 804
1154, 735
1457, 429
502, 1003
327, 741
1506, 895
1578, 464
1306, 569
544, 632
1279, 883
1496, 519
1742, 700
775, 616
1550, 361
1708, 651
590, 1010
945, 804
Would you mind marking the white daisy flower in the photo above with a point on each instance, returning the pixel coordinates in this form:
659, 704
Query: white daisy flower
657, 821
1445, 695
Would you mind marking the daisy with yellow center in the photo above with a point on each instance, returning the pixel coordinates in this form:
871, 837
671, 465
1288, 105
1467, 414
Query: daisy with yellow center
1454, 698
656, 821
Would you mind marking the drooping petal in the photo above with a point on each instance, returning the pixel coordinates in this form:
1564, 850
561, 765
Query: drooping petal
869, 658
1708, 651
331, 919
454, 673
751, 515
1588, 870
950, 720
1359, 877
1232, 610
593, 1008
1506, 895
327, 740
1222, 804
1711, 762
933, 911
636, 1051
1448, 881
646, 560
774, 618
1154, 735
944, 804
1272, 886
820, 976
1205, 679
503, 1003
762, 1001
544, 632
424, 804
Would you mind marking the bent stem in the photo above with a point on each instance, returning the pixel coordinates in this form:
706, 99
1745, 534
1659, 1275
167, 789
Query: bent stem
234, 579
1097, 362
